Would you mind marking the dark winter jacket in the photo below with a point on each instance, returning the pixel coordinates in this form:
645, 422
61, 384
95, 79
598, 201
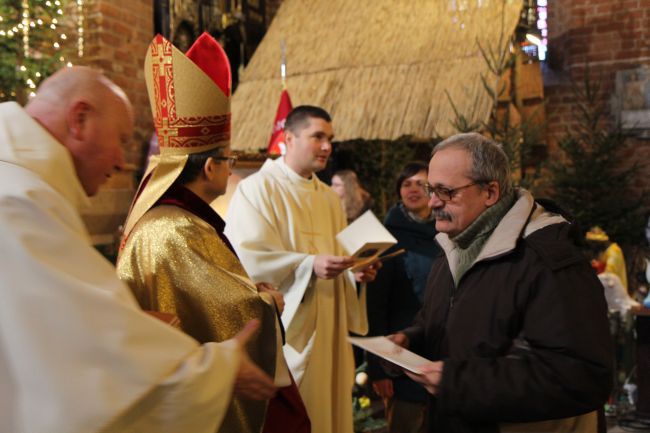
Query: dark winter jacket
394, 298
524, 335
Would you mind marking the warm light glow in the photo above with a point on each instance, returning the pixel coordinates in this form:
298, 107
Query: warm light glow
533, 39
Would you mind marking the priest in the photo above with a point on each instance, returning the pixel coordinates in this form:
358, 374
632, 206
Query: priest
77, 354
283, 221
175, 256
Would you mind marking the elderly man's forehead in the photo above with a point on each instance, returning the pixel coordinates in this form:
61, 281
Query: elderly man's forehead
448, 165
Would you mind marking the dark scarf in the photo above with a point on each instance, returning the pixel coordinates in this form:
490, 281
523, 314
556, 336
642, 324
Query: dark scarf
471, 241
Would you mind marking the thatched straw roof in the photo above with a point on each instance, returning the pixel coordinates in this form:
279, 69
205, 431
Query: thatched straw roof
380, 67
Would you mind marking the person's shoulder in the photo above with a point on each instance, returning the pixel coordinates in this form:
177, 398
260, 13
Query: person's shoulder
554, 246
262, 180
27, 192
165, 224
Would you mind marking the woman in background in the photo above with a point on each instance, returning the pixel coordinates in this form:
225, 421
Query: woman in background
356, 200
396, 295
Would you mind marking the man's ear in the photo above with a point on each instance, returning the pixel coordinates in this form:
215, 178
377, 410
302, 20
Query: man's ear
208, 171
77, 118
289, 137
493, 193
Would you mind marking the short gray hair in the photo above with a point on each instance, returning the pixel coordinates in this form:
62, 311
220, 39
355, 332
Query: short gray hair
489, 161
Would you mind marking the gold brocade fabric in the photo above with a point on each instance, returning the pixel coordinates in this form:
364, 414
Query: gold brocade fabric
174, 262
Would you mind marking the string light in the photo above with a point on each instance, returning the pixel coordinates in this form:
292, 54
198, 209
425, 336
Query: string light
25, 26
80, 28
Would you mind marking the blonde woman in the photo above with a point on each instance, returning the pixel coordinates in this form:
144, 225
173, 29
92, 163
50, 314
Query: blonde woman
356, 200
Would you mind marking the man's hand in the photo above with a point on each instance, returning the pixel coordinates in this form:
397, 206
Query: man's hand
430, 376
251, 382
400, 339
368, 274
328, 267
383, 388
275, 294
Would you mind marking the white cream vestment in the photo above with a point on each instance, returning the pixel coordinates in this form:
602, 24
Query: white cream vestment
77, 355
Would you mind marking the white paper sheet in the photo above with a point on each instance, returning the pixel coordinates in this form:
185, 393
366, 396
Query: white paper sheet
386, 349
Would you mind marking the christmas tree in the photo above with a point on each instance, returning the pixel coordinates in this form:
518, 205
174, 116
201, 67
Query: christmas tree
36, 39
589, 177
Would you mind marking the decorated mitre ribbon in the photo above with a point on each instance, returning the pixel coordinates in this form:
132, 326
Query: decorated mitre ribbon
190, 102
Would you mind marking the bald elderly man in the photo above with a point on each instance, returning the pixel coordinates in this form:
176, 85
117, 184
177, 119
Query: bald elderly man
76, 352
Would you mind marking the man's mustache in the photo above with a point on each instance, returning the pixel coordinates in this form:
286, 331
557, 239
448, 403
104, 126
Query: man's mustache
440, 214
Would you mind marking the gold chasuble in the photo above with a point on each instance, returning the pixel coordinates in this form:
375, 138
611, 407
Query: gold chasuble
176, 263
173, 255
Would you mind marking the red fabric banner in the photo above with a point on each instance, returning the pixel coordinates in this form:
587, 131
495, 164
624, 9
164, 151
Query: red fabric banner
277, 136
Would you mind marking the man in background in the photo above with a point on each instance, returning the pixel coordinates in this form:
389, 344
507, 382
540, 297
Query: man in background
76, 352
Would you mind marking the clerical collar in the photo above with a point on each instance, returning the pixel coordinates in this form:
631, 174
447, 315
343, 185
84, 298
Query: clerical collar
295, 177
178, 195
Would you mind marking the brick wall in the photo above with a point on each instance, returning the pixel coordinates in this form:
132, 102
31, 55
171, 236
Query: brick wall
609, 36
118, 33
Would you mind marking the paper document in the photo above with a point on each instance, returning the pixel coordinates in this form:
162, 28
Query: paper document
386, 349
365, 239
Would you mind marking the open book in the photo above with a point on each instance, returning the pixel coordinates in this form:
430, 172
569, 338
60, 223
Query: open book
386, 349
365, 239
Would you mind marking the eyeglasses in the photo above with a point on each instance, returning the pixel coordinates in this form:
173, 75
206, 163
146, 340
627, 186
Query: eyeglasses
232, 160
445, 194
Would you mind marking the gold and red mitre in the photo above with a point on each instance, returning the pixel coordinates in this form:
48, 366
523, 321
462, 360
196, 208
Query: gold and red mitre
190, 101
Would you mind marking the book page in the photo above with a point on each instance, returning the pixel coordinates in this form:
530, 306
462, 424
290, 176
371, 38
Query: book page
365, 239
386, 349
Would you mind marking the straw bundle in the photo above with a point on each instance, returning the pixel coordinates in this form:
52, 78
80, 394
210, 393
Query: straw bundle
380, 67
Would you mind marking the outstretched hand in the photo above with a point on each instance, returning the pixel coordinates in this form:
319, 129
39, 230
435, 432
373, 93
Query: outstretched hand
251, 382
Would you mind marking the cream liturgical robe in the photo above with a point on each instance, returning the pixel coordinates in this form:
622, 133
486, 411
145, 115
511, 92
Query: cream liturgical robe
278, 221
77, 355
